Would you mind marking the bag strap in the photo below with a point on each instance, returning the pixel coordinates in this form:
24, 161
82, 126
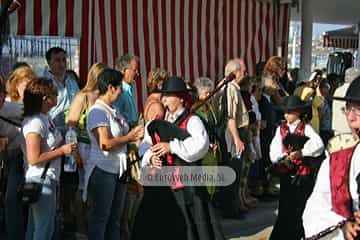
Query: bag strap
43, 175
86, 105
223, 115
10, 121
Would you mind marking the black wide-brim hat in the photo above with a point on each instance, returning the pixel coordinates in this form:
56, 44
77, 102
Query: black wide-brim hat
174, 85
352, 93
292, 103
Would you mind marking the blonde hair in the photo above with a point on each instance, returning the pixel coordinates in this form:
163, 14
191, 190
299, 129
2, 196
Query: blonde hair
94, 72
272, 67
19, 75
156, 76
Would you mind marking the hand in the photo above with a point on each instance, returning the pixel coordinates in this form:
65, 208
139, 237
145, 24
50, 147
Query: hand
156, 161
263, 124
289, 165
69, 148
214, 146
294, 155
160, 149
136, 133
239, 146
357, 217
3, 143
350, 230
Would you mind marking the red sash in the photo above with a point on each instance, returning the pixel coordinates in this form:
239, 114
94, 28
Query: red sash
301, 168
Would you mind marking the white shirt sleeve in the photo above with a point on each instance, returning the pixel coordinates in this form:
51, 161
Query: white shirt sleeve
144, 148
97, 118
194, 147
353, 174
314, 147
318, 215
34, 125
276, 147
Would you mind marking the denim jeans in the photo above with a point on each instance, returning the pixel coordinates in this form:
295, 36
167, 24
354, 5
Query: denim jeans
14, 216
106, 200
41, 221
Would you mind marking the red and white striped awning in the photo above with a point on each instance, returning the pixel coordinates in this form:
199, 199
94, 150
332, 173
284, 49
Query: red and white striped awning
341, 38
44, 17
188, 38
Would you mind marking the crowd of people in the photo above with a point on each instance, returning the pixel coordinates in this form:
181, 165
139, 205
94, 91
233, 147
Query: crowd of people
274, 128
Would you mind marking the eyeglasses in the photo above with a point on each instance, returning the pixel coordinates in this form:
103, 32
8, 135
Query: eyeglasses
347, 109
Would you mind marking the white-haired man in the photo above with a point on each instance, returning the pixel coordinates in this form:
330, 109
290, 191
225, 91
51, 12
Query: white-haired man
236, 137
126, 104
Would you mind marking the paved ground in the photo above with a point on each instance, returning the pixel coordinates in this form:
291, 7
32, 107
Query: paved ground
256, 226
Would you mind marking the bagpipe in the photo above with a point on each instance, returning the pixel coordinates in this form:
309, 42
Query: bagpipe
340, 224
167, 131
292, 142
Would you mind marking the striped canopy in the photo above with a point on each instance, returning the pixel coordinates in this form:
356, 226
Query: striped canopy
341, 38
189, 38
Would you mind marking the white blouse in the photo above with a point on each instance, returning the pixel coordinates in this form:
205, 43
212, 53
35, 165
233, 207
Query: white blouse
50, 139
190, 149
314, 147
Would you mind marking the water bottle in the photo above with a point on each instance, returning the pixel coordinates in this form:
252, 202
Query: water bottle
236, 156
70, 160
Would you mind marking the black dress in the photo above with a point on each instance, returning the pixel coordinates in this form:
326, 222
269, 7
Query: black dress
183, 214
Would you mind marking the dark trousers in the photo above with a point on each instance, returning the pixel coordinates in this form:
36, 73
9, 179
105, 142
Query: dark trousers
182, 214
294, 192
14, 212
227, 198
266, 136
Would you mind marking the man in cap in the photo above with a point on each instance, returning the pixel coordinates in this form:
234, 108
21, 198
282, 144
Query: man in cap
335, 196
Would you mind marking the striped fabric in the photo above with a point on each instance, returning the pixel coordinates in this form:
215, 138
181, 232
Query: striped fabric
341, 38
48, 17
189, 38
341, 42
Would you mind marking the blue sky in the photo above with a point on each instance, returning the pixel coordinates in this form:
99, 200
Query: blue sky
319, 28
